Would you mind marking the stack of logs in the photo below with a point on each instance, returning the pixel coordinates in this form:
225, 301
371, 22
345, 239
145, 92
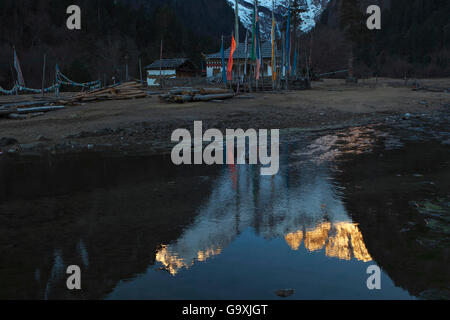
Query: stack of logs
128, 90
181, 95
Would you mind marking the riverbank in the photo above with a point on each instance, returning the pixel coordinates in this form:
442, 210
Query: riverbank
147, 124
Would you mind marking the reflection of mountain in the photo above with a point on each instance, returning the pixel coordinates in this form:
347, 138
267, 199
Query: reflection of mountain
173, 263
342, 240
275, 207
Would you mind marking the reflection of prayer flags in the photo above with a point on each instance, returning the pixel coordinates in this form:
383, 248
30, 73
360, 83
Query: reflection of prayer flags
224, 73
230, 60
20, 78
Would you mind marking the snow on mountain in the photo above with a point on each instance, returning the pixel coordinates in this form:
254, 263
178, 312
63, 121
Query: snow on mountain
314, 9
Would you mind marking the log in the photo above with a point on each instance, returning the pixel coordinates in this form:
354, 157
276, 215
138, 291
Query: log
38, 109
206, 91
209, 97
244, 97
128, 90
5, 112
184, 91
16, 116
25, 104
183, 98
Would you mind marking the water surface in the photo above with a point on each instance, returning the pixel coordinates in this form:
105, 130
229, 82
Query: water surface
141, 228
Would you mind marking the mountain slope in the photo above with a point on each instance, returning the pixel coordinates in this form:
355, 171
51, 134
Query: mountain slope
111, 31
314, 9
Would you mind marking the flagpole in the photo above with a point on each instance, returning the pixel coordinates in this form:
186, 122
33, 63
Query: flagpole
261, 62
283, 56
252, 53
231, 81
246, 57
256, 45
288, 43
273, 37
236, 31
222, 53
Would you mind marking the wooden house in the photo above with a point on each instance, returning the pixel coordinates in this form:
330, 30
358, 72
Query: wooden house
169, 69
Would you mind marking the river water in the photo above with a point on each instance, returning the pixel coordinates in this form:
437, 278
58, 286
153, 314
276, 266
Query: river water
141, 228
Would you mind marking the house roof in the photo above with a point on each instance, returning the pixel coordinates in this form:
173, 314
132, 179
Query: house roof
167, 63
266, 49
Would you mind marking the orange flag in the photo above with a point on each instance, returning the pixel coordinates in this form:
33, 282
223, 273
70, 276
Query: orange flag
230, 60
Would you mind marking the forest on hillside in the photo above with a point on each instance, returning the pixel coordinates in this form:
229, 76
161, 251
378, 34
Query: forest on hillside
113, 32
414, 40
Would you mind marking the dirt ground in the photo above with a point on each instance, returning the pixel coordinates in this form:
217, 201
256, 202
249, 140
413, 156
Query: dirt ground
147, 122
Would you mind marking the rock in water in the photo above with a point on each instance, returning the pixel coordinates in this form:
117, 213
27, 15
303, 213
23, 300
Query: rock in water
284, 293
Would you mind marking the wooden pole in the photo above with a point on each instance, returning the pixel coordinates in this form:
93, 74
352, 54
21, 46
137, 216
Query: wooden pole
160, 65
236, 32
239, 75
12, 74
283, 55
231, 82
223, 63
307, 70
140, 69
43, 73
126, 67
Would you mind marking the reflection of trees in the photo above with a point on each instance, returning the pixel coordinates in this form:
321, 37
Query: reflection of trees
112, 232
382, 202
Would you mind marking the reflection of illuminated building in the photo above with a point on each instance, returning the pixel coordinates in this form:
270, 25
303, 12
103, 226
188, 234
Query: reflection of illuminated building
342, 240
